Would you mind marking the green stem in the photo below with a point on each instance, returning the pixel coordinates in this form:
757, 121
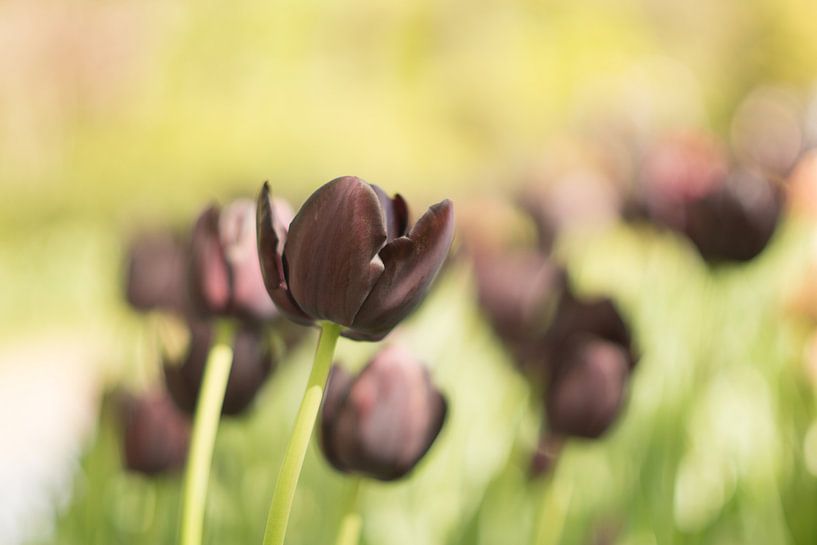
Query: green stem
205, 425
352, 522
299, 440
553, 509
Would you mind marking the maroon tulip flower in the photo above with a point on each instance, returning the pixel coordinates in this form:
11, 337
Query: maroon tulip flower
728, 215
252, 364
383, 421
224, 271
588, 388
155, 276
156, 434
518, 293
350, 256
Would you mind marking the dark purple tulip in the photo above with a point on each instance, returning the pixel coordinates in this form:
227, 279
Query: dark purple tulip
383, 421
349, 256
518, 292
156, 434
579, 317
729, 216
224, 270
736, 221
588, 388
252, 364
156, 272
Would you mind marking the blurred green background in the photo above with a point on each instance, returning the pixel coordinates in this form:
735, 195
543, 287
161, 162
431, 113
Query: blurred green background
118, 115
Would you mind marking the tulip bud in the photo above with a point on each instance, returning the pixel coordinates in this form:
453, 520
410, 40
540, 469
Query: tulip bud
155, 272
350, 257
225, 274
252, 364
518, 293
383, 421
156, 434
736, 221
587, 390
728, 216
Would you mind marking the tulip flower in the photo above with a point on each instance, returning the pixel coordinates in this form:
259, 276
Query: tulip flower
155, 272
588, 388
350, 256
349, 261
518, 292
224, 273
156, 434
252, 363
729, 214
383, 421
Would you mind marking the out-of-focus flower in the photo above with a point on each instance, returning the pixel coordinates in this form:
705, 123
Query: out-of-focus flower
252, 364
518, 292
349, 256
155, 272
737, 221
588, 388
156, 434
729, 216
383, 421
225, 276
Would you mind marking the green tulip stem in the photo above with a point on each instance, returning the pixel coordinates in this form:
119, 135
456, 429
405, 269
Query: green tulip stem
284, 494
553, 508
352, 522
205, 425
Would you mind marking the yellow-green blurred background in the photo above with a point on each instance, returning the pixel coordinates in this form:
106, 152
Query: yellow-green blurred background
121, 114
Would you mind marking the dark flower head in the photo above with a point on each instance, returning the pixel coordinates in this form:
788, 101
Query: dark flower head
737, 220
156, 434
729, 216
252, 363
588, 387
155, 272
349, 256
224, 270
518, 293
383, 421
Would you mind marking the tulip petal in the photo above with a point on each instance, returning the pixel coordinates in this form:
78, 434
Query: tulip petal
332, 249
272, 218
396, 211
411, 264
210, 277
337, 389
237, 227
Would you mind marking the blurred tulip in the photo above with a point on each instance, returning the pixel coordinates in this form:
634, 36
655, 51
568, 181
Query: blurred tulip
588, 387
252, 364
518, 293
350, 257
728, 216
156, 434
225, 275
383, 421
155, 272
